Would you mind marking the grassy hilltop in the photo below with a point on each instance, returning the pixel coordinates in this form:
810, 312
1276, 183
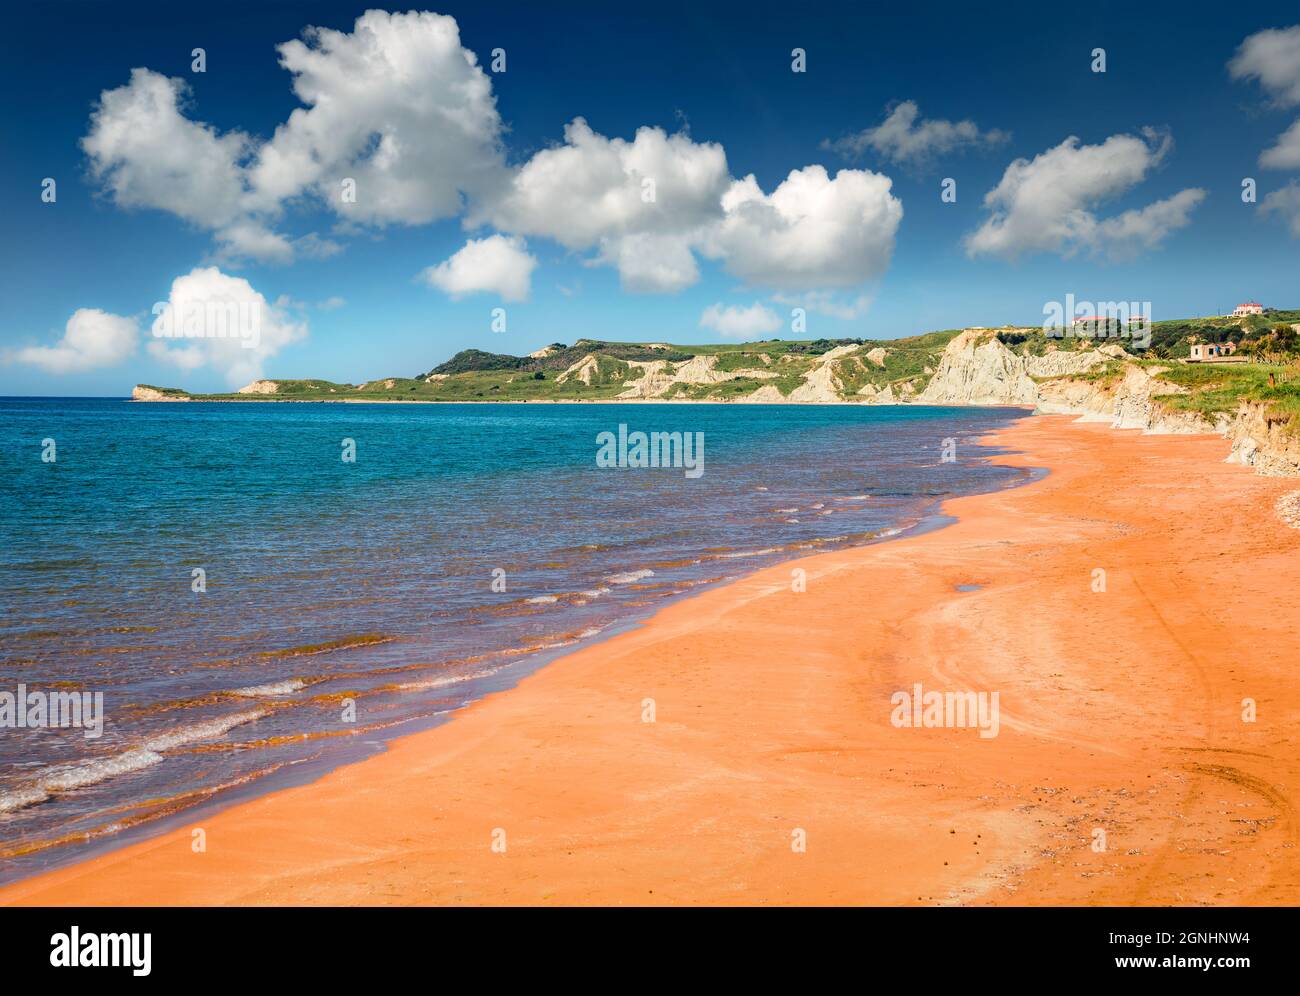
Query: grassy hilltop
821, 370
595, 370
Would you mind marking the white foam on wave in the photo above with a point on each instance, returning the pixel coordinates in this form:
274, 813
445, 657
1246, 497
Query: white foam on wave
209, 729
21, 798
66, 777
444, 680
421, 686
274, 688
73, 776
853, 498
596, 592
542, 600
629, 577
747, 553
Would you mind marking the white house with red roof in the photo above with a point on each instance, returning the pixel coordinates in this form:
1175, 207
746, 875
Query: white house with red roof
1249, 308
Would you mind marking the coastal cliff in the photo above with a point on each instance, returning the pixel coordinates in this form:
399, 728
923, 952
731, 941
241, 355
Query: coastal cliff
147, 392
1253, 402
978, 368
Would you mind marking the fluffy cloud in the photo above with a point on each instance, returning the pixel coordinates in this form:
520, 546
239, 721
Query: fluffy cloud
902, 138
91, 339
251, 239
1285, 153
1273, 58
651, 263
1286, 204
740, 323
1045, 204
399, 106
211, 319
639, 204
647, 206
496, 264
811, 232
402, 109
1145, 228
592, 187
147, 154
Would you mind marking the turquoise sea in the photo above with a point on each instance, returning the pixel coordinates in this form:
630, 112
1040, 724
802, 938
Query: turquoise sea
342, 603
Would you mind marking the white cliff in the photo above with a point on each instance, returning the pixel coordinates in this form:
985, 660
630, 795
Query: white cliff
977, 368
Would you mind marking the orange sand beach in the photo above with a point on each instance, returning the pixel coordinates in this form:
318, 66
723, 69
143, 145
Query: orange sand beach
1122, 722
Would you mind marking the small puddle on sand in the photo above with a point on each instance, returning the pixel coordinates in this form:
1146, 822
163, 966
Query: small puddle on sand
969, 587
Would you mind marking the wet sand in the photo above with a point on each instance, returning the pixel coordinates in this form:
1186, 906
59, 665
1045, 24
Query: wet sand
1121, 724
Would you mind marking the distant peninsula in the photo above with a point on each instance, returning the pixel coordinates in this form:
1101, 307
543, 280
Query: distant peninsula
1237, 375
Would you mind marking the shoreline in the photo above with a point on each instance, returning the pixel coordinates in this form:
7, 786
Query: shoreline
67, 854
772, 716
256, 399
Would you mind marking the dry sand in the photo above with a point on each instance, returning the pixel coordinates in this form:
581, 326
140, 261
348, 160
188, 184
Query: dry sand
1121, 711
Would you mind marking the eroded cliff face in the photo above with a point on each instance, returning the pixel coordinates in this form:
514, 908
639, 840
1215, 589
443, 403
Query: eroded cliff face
261, 387
656, 378
1132, 403
977, 368
821, 384
143, 392
1260, 440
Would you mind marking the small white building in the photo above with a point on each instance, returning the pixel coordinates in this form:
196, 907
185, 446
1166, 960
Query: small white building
1249, 308
1207, 351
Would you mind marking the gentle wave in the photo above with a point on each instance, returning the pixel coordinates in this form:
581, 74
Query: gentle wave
206, 730
746, 553
273, 688
65, 778
629, 577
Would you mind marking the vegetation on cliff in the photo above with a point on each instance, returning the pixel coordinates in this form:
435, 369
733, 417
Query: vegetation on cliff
854, 370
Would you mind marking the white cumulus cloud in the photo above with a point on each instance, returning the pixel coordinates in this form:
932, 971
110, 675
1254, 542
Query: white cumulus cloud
399, 106
649, 205
812, 232
398, 112
148, 154
736, 322
497, 264
1047, 204
1285, 152
220, 321
904, 137
638, 204
1273, 58
91, 339
1286, 204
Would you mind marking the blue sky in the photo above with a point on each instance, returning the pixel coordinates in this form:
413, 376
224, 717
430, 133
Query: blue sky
722, 75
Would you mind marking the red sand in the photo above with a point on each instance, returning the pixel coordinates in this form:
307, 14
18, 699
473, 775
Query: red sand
1120, 711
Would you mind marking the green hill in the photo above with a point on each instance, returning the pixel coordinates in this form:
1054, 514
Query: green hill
776, 370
